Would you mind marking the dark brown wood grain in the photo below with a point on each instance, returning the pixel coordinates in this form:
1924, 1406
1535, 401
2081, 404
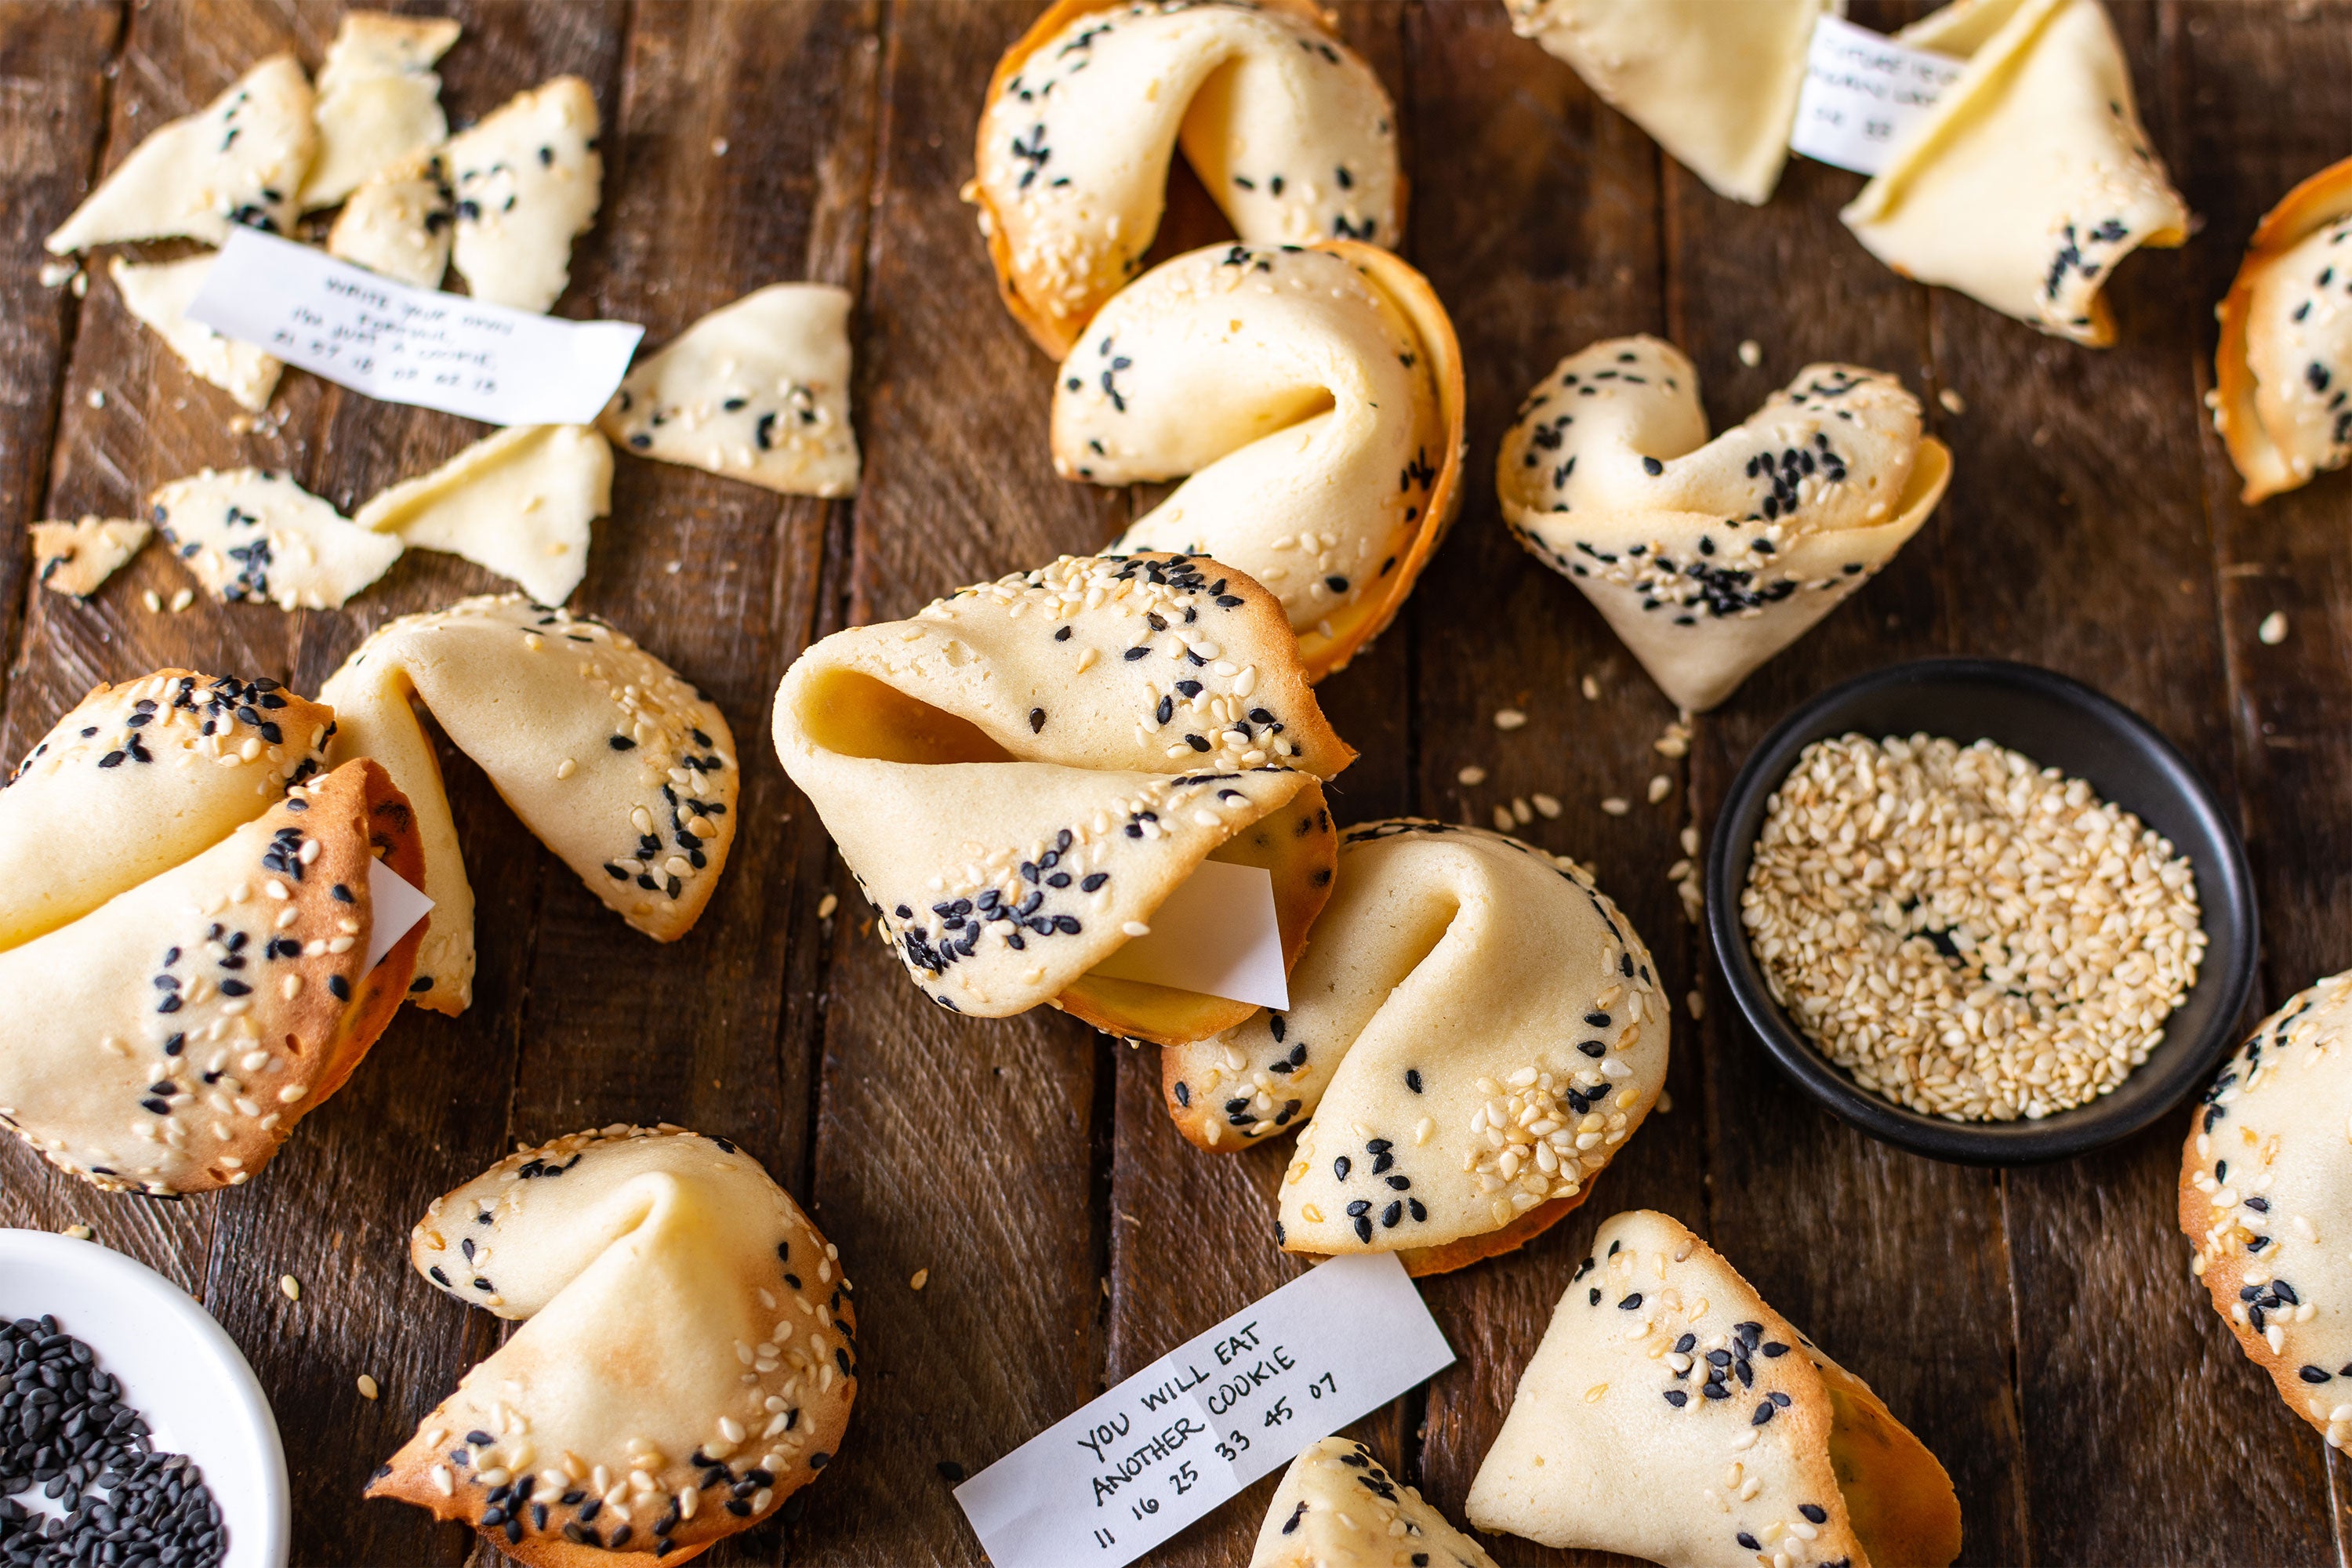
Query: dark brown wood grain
2037, 1329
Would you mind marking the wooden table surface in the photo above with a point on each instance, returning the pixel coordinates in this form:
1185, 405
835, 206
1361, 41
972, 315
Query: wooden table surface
2037, 1328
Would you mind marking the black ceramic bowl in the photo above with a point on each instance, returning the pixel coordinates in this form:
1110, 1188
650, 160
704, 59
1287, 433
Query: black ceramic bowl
2058, 723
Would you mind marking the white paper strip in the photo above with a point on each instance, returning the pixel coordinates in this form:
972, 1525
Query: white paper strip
1217, 934
1862, 92
1104, 1486
417, 346
393, 908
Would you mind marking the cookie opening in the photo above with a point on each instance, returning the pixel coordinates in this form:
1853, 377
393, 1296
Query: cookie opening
854, 714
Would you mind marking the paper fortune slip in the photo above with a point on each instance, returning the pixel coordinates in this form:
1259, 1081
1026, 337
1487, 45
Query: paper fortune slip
1104, 1486
394, 908
417, 346
1862, 92
1217, 934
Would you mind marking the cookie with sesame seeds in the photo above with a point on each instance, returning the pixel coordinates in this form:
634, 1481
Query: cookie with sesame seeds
2032, 178
1714, 84
1670, 1414
252, 535
1289, 129
398, 222
77, 557
615, 761
1710, 556
168, 1041
1314, 397
1477, 1030
239, 160
140, 776
1019, 773
757, 390
527, 180
2283, 371
2263, 1181
379, 100
687, 1358
1336, 1507
159, 294
519, 502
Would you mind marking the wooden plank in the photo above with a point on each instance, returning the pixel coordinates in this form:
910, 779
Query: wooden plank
1826, 1222
2242, 145
1538, 222
964, 1146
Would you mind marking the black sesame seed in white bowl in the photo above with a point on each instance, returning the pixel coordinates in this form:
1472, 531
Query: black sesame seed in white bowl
132, 1430
2192, 967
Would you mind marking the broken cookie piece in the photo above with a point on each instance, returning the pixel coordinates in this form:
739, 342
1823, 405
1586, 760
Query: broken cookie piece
527, 180
76, 557
518, 502
254, 535
379, 100
237, 160
397, 223
159, 295
758, 390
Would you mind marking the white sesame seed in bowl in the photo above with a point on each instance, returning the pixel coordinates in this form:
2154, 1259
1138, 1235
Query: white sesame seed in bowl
1981, 912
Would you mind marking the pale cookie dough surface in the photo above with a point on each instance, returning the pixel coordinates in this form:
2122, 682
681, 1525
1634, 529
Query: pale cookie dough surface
1710, 556
140, 776
2266, 1200
256, 536
1289, 131
1318, 423
2283, 397
609, 756
239, 159
1069, 744
1336, 1507
168, 1040
687, 1358
1457, 981
1716, 85
2032, 177
757, 390
527, 180
1669, 1414
77, 557
398, 222
379, 100
518, 502
160, 295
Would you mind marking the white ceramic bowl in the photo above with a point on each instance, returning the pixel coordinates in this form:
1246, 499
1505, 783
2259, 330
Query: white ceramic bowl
178, 1368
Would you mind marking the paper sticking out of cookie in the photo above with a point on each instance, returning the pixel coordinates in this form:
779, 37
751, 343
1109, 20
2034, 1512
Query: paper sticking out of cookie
394, 909
1217, 934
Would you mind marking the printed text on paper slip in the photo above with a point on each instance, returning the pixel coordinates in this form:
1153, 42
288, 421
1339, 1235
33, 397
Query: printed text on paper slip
1862, 93
417, 346
1104, 1486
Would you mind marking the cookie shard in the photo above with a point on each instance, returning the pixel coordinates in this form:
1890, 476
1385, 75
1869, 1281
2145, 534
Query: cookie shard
1670, 1414
527, 180
379, 100
518, 502
2032, 178
1289, 129
1022, 772
168, 1040
138, 777
239, 160
687, 1333
160, 294
612, 759
2263, 1183
398, 222
2282, 370
1314, 398
757, 390
1457, 979
77, 557
1714, 84
253, 535
1707, 557
1338, 1508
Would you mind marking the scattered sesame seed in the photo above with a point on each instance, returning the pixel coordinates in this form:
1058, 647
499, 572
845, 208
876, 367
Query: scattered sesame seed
154, 601
368, 1389
1952, 401
826, 905
97, 398
1697, 1005
922, 1277
1502, 819
291, 1286
1590, 688
1546, 807
79, 1232
1661, 786
1472, 775
1508, 718
1751, 353
183, 599
2272, 631
718, 146
1616, 805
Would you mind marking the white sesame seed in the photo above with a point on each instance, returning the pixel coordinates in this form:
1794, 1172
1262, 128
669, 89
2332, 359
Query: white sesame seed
922, 1277
2272, 631
1502, 819
1952, 401
1590, 688
154, 601
1751, 353
1661, 786
79, 1232
1616, 805
826, 905
291, 1286
1509, 718
1546, 807
367, 1386
183, 599
1472, 776
1136, 928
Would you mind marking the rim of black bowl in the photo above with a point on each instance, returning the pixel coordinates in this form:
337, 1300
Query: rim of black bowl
2195, 1036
